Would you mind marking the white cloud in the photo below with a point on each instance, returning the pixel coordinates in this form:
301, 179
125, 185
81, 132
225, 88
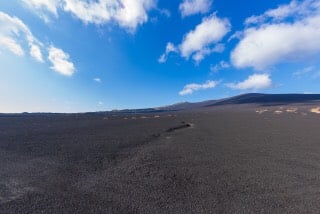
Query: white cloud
191, 7
236, 35
97, 12
126, 13
295, 9
190, 88
35, 52
98, 80
220, 66
200, 55
60, 61
133, 13
169, 48
49, 5
43, 7
254, 82
211, 30
14, 35
292, 34
203, 40
11, 45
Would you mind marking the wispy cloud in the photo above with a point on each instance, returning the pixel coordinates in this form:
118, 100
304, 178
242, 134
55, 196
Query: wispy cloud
310, 71
126, 13
14, 35
253, 82
304, 71
43, 8
169, 49
191, 7
220, 66
12, 45
190, 88
295, 9
98, 80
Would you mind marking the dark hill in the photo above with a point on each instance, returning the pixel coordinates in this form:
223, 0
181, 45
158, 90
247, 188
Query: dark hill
251, 98
269, 99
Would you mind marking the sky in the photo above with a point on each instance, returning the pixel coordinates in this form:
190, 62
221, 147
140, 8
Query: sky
97, 55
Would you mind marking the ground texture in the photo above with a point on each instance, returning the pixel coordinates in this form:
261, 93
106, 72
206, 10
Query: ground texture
215, 160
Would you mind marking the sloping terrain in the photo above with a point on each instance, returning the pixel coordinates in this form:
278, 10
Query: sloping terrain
252, 98
269, 99
235, 159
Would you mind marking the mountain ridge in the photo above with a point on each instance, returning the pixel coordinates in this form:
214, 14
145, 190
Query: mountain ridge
249, 98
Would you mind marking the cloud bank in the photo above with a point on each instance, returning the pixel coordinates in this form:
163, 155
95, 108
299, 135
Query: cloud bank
288, 33
127, 14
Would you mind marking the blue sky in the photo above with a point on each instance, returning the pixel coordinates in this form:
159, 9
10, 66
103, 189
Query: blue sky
81, 55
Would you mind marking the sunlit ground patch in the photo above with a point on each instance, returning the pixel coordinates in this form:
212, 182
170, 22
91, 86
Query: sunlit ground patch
315, 110
261, 111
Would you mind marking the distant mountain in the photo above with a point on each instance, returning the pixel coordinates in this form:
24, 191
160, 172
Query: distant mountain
251, 98
269, 99
186, 105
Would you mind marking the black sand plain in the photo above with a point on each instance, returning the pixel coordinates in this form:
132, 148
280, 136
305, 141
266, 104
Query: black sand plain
222, 159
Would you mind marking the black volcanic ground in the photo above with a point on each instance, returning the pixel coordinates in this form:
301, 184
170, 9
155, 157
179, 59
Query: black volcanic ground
222, 159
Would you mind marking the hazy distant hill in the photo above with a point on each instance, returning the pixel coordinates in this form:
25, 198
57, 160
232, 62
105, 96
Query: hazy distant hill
271, 99
252, 98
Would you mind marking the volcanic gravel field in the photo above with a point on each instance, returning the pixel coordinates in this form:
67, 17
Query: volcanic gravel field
235, 159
